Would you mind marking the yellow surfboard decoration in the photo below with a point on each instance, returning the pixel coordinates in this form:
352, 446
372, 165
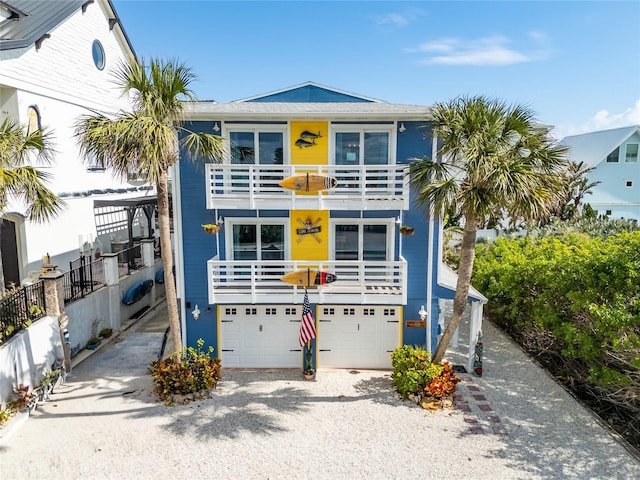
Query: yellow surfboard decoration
309, 183
308, 278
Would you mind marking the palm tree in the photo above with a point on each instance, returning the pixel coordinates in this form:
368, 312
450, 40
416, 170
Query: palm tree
146, 142
20, 179
495, 158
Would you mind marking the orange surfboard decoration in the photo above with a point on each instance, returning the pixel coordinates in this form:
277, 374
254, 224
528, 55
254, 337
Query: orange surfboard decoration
309, 183
309, 278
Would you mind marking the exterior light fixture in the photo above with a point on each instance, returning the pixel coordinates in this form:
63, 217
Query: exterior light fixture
402, 127
216, 127
196, 313
422, 313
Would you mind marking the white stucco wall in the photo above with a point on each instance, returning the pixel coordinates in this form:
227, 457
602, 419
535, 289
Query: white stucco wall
28, 357
62, 81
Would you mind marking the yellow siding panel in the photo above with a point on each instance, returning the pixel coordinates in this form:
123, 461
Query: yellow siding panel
313, 246
315, 154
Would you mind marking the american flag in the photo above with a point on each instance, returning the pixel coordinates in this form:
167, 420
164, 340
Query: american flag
308, 326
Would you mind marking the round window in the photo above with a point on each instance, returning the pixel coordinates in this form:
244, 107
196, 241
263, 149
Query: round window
98, 54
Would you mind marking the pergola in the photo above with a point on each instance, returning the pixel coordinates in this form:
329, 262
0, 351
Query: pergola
110, 214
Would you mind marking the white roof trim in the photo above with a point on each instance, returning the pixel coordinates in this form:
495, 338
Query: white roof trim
448, 279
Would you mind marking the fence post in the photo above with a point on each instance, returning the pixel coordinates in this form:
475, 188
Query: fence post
149, 263
112, 282
54, 304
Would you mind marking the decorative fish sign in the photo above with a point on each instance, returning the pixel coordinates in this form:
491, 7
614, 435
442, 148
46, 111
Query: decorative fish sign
309, 278
304, 144
310, 135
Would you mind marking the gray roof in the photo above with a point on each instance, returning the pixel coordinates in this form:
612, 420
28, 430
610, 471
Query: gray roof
32, 19
592, 148
287, 110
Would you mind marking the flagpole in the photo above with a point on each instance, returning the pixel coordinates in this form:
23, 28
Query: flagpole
305, 292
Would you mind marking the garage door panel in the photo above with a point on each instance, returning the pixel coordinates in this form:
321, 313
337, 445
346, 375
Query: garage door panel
357, 337
262, 339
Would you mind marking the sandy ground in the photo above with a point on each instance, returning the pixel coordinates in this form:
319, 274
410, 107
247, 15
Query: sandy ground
513, 423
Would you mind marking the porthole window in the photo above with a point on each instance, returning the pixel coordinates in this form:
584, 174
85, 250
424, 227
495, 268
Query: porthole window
98, 54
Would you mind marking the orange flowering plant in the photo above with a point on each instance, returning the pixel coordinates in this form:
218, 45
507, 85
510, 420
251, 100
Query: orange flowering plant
414, 373
444, 384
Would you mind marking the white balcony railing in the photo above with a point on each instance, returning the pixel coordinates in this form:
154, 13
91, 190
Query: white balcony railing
380, 283
363, 187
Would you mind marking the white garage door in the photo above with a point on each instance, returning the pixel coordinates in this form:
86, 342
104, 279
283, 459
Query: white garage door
356, 336
260, 337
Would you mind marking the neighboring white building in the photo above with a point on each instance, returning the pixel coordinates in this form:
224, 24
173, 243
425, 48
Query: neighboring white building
614, 156
57, 60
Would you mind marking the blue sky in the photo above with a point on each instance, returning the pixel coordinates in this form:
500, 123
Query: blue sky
575, 63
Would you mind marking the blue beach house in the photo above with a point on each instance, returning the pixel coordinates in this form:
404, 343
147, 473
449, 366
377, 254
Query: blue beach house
388, 285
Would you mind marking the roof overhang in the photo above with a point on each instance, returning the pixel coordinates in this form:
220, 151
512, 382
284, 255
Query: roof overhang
195, 111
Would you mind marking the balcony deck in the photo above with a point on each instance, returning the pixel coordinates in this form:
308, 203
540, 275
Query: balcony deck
366, 283
363, 187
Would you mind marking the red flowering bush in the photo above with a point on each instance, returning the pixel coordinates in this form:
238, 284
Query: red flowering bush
444, 383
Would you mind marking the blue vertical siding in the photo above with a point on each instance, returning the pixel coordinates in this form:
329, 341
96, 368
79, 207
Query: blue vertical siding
415, 142
197, 246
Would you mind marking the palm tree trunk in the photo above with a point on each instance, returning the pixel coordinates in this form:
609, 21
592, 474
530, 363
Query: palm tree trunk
162, 186
467, 256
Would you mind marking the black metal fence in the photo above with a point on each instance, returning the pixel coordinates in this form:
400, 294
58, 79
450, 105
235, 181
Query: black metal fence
84, 277
130, 259
20, 308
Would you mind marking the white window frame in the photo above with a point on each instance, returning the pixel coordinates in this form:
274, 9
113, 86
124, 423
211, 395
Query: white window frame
229, 223
606, 159
93, 164
362, 129
227, 129
389, 222
637, 152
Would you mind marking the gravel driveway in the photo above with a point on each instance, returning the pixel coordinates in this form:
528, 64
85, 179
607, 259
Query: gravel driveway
514, 423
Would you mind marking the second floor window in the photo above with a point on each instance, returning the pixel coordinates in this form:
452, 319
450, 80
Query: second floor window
366, 146
613, 156
93, 164
631, 155
249, 147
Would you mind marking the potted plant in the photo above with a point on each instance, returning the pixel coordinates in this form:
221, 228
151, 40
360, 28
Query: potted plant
309, 372
106, 332
93, 343
406, 230
211, 228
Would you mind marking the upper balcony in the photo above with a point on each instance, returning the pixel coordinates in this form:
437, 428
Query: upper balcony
360, 187
366, 283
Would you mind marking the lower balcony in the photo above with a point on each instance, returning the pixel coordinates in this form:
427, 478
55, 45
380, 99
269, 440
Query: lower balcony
258, 282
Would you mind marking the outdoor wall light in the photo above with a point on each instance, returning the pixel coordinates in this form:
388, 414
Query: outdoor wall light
402, 128
422, 312
216, 127
196, 313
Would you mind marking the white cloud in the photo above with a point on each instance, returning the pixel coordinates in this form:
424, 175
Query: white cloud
492, 51
394, 19
602, 120
399, 19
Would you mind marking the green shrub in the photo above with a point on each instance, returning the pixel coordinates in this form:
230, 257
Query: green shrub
412, 369
573, 301
190, 371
